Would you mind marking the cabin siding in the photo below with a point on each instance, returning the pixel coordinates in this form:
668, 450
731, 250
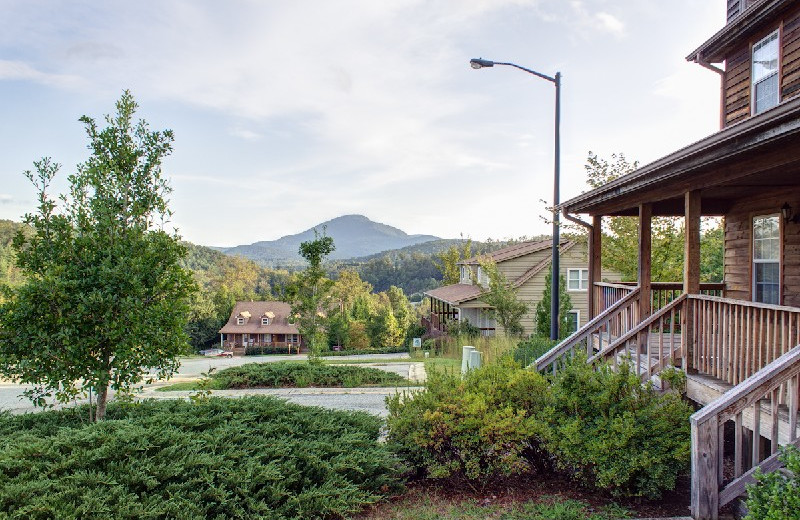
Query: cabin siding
738, 247
736, 80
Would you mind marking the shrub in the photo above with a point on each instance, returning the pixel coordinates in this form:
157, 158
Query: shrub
475, 428
776, 496
529, 350
254, 457
614, 433
351, 352
292, 374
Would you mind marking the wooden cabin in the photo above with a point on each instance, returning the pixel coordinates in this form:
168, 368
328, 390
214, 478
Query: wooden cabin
260, 327
525, 265
739, 341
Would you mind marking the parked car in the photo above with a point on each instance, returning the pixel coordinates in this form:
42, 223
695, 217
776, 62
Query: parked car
216, 352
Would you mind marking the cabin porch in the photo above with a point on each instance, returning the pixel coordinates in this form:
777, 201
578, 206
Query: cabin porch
737, 341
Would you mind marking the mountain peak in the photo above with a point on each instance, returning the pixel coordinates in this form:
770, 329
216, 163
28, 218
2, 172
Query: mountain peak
353, 235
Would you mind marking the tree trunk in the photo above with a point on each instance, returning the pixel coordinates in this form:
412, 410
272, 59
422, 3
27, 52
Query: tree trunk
102, 401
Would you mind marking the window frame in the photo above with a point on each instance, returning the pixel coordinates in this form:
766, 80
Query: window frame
754, 261
577, 313
239, 320
581, 280
264, 320
777, 34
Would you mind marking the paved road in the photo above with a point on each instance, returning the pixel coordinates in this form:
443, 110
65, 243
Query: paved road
367, 399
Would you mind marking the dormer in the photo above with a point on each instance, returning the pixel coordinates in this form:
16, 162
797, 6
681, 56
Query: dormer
757, 54
466, 275
242, 317
267, 318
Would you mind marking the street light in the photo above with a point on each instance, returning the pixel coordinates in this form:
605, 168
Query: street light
479, 63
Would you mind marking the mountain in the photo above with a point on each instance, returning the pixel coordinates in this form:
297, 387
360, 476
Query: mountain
353, 235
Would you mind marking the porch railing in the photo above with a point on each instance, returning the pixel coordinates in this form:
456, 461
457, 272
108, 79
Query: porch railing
763, 405
734, 339
602, 330
662, 293
650, 345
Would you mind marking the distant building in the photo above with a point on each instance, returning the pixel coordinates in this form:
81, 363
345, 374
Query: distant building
525, 265
260, 324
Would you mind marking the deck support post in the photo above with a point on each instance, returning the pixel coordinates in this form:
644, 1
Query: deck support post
645, 271
691, 273
705, 474
595, 266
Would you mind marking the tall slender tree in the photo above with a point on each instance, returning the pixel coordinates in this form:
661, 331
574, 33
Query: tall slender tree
104, 302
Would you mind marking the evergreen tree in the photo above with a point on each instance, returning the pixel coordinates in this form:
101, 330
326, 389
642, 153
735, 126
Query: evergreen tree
542, 315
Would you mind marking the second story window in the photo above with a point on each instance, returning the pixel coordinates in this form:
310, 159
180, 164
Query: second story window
466, 274
577, 279
265, 321
765, 74
240, 321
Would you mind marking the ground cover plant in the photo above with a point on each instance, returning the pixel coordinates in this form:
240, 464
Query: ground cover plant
255, 458
291, 374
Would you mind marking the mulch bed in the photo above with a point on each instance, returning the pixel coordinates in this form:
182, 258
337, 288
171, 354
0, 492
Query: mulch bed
507, 492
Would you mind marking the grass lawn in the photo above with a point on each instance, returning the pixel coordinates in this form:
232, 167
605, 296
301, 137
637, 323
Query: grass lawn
294, 375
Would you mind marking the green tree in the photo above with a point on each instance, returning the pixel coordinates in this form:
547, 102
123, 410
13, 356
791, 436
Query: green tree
104, 300
447, 262
621, 234
507, 308
542, 316
309, 290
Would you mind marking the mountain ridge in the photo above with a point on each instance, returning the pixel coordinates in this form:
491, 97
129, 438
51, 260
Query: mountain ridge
354, 236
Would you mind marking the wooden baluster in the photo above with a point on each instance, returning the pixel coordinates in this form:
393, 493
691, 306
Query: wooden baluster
748, 346
756, 432
775, 432
737, 446
724, 344
794, 383
760, 341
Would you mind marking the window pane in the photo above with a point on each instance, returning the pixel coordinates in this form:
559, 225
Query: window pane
765, 57
766, 94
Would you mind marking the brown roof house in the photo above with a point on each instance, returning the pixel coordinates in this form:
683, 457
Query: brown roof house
260, 326
738, 342
525, 265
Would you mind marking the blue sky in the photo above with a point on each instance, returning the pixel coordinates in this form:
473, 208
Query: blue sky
290, 113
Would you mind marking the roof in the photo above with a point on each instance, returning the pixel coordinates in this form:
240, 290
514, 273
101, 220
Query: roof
752, 19
459, 293
252, 312
514, 251
728, 154
456, 293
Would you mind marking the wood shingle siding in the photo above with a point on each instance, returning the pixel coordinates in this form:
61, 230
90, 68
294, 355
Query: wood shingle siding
790, 60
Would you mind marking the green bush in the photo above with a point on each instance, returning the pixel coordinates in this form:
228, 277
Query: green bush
614, 433
776, 496
390, 350
254, 457
529, 350
475, 428
293, 374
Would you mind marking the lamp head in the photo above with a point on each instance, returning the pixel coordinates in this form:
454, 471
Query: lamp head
479, 63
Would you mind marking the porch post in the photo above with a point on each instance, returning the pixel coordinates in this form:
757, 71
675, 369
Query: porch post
645, 241
691, 273
595, 267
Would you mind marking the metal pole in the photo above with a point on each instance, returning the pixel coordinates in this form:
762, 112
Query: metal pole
554, 303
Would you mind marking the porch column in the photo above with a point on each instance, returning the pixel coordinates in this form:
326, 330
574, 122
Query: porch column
645, 241
595, 267
691, 273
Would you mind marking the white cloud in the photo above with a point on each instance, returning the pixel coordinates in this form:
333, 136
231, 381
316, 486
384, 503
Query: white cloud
18, 70
6, 199
599, 21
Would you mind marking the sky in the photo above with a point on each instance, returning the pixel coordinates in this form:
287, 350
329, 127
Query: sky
290, 113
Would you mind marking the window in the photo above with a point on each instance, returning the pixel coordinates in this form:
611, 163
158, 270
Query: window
765, 79
466, 274
265, 321
766, 259
573, 321
240, 321
577, 279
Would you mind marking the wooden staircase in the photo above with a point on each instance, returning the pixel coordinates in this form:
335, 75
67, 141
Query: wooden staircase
742, 361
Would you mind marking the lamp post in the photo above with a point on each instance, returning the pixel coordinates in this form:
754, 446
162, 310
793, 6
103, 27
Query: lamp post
479, 63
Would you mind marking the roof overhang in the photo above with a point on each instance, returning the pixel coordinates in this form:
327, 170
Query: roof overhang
752, 19
767, 145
